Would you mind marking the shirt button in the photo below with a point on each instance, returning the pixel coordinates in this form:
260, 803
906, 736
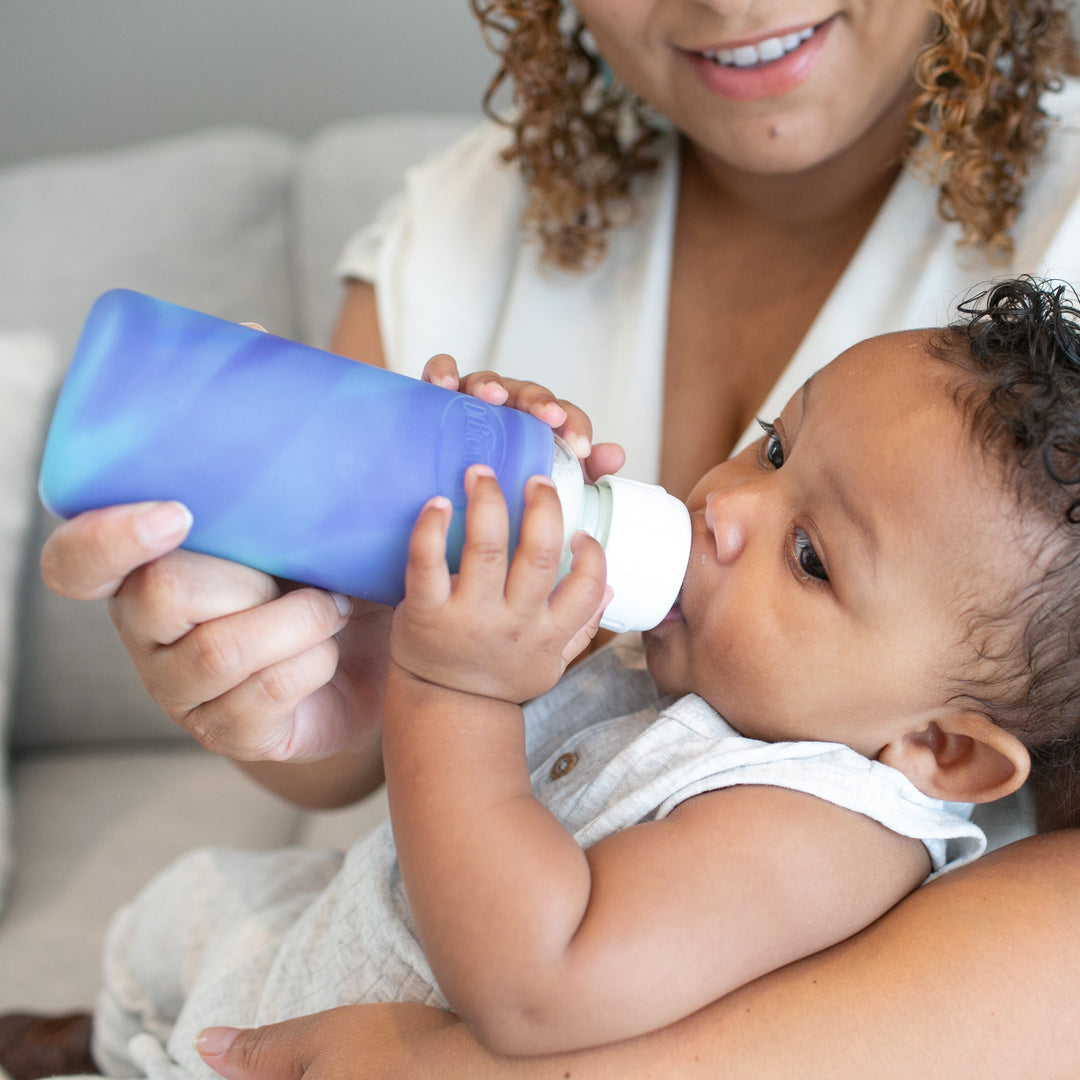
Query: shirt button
563, 764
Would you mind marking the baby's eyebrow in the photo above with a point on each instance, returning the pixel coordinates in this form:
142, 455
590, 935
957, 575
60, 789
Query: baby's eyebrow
855, 513
862, 523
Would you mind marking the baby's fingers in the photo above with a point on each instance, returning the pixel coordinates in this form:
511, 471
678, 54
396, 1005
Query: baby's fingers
487, 536
427, 576
578, 601
442, 370
585, 634
605, 459
535, 565
567, 420
487, 386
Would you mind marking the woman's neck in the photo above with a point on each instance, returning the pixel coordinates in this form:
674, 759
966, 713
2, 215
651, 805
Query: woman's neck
754, 259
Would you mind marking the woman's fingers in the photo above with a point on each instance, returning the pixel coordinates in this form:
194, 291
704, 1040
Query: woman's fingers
223, 653
219, 655
241, 667
288, 711
88, 557
162, 601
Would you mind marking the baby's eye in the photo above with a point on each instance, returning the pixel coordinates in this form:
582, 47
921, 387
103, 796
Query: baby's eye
773, 449
806, 557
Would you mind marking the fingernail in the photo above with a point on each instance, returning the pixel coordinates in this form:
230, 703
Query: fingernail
342, 603
554, 414
581, 446
162, 522
213, 1042
582, 536
481, 470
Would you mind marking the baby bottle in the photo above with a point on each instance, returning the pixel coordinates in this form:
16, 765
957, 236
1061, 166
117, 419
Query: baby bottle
313, 467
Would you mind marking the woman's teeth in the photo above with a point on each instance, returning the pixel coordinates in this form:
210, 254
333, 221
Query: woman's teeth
763, 52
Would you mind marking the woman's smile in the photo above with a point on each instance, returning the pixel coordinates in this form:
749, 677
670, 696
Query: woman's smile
773, 87
766, 67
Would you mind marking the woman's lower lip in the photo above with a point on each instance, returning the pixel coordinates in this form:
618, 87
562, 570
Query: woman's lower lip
766, 80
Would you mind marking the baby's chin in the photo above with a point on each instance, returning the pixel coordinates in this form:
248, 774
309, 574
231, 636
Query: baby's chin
660, 662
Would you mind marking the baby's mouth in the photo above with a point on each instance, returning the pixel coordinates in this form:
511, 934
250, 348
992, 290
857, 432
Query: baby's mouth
675, 614
761, 52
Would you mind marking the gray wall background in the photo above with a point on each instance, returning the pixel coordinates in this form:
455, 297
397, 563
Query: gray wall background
88, 74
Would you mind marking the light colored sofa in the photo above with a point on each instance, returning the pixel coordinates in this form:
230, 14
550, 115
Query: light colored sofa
103, 791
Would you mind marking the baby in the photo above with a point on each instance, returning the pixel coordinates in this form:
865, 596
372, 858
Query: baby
873, 634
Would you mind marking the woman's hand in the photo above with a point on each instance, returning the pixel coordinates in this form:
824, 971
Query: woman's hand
366, 1042
568, 421
253, 672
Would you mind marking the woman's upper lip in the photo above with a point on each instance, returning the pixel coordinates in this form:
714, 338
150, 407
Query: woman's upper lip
757, 39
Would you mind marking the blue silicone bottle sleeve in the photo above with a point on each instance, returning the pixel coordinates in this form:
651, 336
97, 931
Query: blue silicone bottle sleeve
293, 460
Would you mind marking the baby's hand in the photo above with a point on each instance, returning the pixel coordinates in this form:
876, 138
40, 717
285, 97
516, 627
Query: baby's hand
489, 630
568, 421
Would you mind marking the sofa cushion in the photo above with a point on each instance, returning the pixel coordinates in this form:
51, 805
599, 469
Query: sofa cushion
347, 172
90, 829
202, 220
29, 364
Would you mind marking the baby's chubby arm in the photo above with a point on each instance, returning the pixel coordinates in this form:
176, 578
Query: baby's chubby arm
478, 853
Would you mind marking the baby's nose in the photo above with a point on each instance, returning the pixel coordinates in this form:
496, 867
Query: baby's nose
728, 515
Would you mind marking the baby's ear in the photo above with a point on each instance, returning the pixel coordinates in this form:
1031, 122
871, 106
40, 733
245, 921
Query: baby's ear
961, 757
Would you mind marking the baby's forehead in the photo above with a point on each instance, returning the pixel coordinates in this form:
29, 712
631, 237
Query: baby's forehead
901, 347
906, 359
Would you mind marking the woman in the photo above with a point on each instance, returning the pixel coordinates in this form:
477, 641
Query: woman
773, 223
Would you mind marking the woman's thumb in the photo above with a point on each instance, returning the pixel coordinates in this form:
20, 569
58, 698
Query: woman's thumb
266, 1053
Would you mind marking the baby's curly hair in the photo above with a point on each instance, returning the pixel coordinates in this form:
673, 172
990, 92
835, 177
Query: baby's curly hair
581, 138
1018, 348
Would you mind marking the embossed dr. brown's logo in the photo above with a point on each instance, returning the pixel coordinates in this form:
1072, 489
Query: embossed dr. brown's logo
470, 433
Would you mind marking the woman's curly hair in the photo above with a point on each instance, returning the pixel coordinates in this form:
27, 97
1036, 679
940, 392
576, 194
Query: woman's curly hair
981, 82
581, 138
